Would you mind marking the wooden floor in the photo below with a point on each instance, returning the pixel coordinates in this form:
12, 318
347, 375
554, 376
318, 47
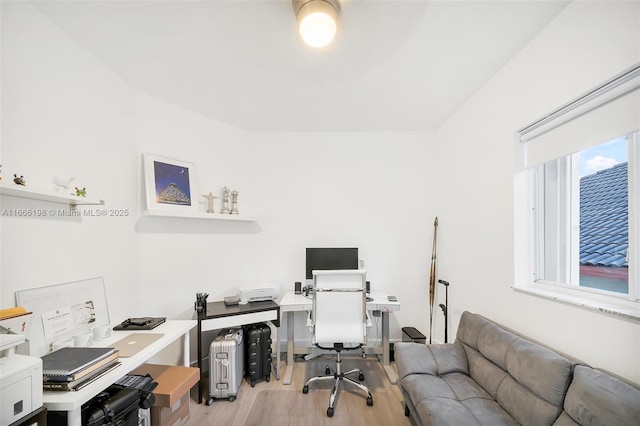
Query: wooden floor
274, 404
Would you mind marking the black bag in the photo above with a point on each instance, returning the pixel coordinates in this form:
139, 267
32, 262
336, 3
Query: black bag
258, 352
143, 383
113, 407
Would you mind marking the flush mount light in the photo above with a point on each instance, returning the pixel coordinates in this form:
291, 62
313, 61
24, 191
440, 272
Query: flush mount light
317, 20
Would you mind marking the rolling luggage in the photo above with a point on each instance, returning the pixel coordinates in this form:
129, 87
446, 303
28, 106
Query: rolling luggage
226, 365
258, 352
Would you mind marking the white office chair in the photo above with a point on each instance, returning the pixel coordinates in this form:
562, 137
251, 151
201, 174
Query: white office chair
339, 322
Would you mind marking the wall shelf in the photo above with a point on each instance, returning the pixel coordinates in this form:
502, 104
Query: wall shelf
205, 216
54, 197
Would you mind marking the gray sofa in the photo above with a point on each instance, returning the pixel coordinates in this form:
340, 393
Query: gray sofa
493, 376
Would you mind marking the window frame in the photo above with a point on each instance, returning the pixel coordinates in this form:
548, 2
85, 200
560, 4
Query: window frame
527, 248
569, 291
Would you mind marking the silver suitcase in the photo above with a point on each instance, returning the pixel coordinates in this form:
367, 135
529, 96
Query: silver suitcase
226, 365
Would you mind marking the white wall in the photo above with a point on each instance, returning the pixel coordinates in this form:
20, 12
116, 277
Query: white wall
63, 112
588, 43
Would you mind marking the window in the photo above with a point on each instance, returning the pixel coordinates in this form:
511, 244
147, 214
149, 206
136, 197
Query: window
582, 218
576, 210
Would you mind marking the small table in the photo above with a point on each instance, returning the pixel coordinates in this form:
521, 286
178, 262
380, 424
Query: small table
218, 316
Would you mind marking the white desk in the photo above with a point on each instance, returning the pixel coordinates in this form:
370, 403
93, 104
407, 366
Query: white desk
71, 402
291, 303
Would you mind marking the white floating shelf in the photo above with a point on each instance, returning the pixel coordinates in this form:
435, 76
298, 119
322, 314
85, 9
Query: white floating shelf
192, 215
54, 197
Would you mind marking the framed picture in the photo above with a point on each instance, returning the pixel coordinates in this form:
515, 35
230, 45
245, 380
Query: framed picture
170, 184
62, 311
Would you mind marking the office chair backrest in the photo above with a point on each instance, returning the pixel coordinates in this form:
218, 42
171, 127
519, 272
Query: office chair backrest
339, 307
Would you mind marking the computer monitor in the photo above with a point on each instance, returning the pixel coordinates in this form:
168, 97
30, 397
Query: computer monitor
330, 259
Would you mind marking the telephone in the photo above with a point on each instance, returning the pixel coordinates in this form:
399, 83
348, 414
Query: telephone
136, 321
142, 323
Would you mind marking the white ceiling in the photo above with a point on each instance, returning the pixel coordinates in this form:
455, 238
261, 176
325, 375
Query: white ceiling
394, 65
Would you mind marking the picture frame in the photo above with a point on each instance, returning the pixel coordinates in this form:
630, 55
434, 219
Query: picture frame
170, 184
61, 311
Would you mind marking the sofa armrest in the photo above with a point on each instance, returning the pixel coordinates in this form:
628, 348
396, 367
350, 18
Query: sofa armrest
435, 359
595, 397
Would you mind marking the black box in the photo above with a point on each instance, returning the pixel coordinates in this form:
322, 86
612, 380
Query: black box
411, 334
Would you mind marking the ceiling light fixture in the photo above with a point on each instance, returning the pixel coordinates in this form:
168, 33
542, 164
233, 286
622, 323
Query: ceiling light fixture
317, 20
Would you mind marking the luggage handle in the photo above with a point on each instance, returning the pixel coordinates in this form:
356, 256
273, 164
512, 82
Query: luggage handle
225, 369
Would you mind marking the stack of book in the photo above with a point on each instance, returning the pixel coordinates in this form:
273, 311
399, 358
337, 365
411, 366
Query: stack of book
70, 369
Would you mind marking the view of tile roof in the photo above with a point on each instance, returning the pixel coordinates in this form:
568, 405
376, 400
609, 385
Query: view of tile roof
604, 236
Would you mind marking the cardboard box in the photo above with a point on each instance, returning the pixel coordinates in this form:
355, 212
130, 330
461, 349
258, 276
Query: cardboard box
171, 416
172, 403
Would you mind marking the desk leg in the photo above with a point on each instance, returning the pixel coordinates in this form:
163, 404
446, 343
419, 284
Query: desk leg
386, 358
288, 372
186, 350
74, 417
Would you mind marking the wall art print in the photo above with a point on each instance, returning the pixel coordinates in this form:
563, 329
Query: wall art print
170, 184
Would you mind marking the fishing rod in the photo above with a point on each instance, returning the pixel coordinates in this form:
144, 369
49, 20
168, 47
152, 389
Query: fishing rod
432, 278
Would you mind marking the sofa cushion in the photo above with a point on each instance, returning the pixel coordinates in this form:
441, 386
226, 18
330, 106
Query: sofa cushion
596, 398
565, 420
415, 358
526, 379
451, 399
525, 406
423, 386
488, 412
541, 370
444, 411
494, 343
483, 371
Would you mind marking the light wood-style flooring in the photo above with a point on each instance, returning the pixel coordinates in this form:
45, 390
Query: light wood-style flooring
274, 404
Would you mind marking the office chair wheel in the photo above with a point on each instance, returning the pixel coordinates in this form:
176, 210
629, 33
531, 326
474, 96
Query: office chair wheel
361, 376
327, 370
330, 412
305, 389
369, 401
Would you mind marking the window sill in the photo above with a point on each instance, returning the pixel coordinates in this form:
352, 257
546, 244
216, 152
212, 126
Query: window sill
631, 313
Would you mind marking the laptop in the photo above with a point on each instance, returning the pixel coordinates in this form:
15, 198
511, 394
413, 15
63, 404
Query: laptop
135, 342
